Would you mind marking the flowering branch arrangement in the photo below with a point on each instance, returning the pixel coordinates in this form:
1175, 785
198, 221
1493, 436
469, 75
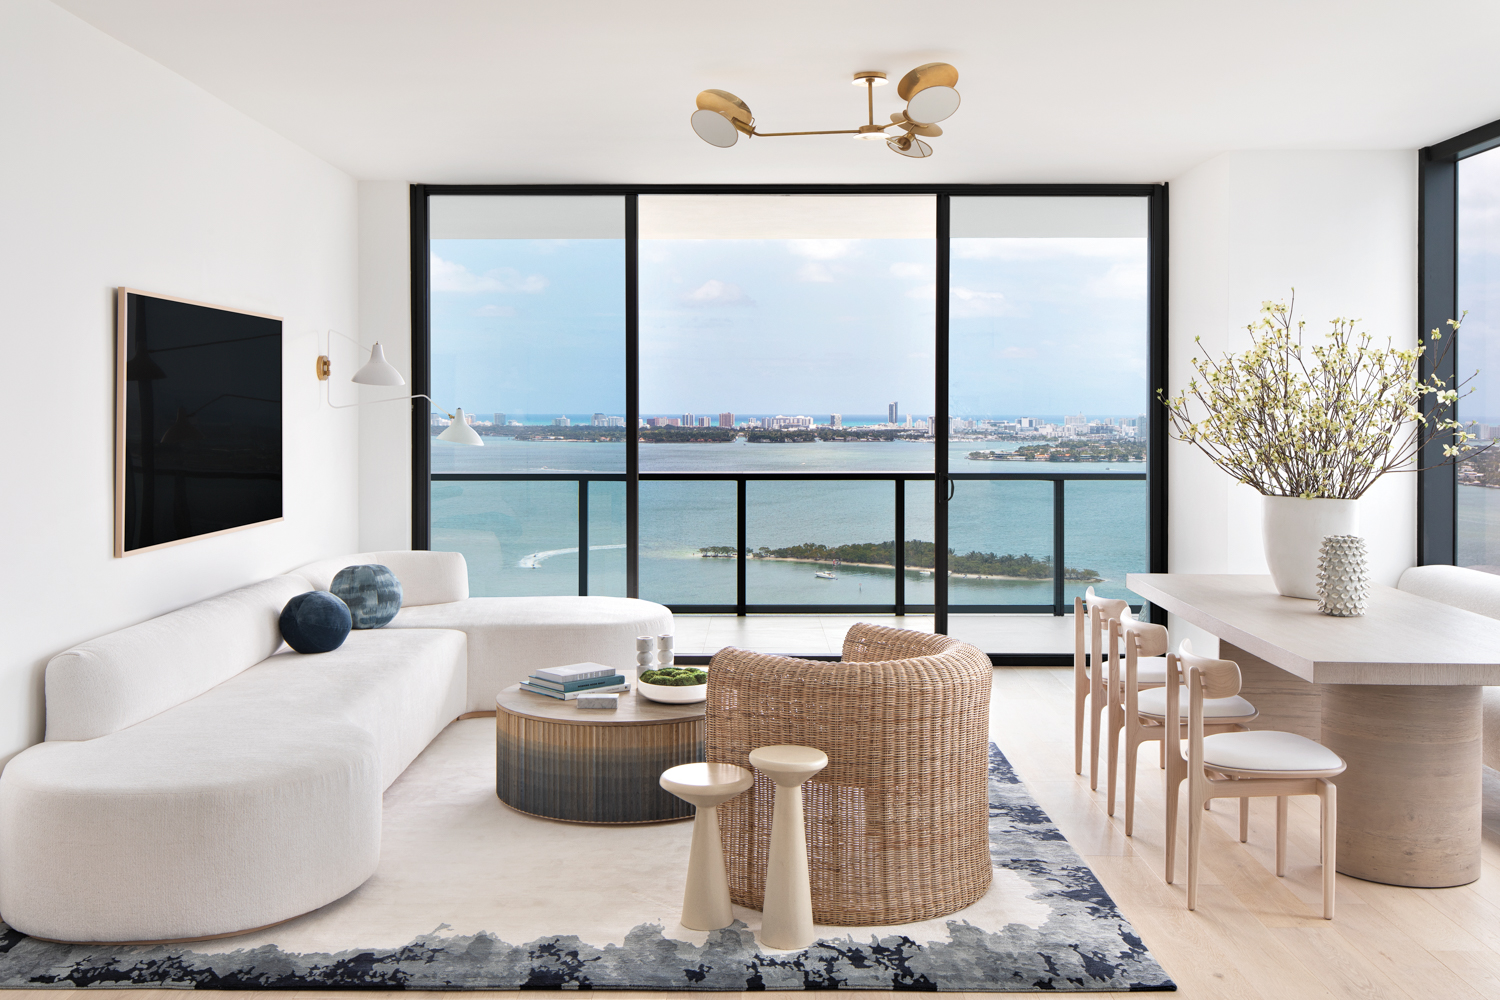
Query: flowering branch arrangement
1319, 421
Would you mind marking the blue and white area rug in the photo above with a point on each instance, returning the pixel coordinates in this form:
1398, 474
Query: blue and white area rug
473, 896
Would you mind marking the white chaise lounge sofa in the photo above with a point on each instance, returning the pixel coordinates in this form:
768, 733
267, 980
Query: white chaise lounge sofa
1474, 591
200, 779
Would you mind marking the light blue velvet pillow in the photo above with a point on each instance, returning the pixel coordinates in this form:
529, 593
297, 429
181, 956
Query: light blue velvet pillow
372, 592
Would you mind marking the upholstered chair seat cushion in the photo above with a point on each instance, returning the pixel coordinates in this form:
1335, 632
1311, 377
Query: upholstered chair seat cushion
1154, 703
1265, 750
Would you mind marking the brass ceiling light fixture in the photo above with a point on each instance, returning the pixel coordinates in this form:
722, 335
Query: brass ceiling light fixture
927, 90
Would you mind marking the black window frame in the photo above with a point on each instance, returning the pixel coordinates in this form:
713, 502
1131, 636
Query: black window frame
1157, 348
1437, 302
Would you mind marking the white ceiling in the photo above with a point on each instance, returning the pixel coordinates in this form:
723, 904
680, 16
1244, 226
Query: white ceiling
601, 90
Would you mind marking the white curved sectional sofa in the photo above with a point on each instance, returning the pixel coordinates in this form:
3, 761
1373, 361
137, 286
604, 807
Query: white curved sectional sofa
200, 779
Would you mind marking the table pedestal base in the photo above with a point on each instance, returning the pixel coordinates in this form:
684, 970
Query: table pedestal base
1410, 803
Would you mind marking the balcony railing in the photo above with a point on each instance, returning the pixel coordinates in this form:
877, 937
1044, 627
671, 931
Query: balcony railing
898, 480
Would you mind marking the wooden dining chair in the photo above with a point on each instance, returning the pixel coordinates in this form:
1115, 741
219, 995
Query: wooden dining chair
1143, 716
1090, 668
1240, 766
1137, 651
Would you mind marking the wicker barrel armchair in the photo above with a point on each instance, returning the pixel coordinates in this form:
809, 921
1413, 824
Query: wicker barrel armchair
897, 824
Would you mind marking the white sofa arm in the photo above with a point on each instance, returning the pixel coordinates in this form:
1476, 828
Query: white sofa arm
426, 577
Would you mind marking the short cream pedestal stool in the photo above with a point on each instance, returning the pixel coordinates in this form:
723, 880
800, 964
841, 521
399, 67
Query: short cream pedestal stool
705, 899
786, 917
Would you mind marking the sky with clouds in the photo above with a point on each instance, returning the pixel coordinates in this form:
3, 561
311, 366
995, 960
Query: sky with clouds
1479, 283
1038, 326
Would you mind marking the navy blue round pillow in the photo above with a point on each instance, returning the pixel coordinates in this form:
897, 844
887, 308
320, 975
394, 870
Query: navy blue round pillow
315, 622
372, 592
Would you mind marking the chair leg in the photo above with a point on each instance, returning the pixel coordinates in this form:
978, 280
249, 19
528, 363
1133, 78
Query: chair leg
1281, 801
1174, 794
1080, 693
1330, 840
1195, 834
1132, 751
1113, 734
1094, 709
1244, 820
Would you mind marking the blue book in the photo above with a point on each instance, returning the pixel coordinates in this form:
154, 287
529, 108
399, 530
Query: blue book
583, 685
571, 695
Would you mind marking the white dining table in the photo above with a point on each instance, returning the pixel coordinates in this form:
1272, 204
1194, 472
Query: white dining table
1395, 693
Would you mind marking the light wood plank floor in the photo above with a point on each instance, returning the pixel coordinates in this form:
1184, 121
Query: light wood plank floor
1253, 936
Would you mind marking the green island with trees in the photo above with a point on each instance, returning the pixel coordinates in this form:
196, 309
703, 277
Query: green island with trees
919, 555
1067, 451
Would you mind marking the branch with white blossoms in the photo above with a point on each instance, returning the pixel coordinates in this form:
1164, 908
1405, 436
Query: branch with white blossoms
1319, 421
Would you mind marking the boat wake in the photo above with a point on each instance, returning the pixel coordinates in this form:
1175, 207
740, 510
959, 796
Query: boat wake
535, 560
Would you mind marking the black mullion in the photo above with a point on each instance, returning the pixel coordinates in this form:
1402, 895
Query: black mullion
1156, 411
421, 373
743, 559
1058, 531
900, 553
583, 538
1437, 302
940, 430
632, 398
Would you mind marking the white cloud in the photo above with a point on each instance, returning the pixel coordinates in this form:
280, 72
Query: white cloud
449, 276
1121, 281
714, 292
1046, 248
966, 303
821, 249
911, 270
814, 271
494, 310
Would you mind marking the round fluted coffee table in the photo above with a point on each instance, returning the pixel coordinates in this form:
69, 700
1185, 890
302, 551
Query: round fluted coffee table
556, 760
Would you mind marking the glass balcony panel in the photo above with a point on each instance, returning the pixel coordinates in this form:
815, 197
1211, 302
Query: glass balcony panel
607, 539
1478, 523
688, 538
795, 531
1107, 527
921, 499
519, 539
1000, 537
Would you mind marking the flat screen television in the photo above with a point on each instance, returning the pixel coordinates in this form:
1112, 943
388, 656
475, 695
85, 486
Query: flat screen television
197, 420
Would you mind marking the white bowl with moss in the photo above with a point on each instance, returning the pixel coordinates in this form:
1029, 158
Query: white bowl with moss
674, 685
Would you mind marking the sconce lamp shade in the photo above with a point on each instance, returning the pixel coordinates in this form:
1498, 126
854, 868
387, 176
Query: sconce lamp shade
378, 371
459, 431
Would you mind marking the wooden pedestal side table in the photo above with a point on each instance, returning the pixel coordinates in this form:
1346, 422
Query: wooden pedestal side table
558, 761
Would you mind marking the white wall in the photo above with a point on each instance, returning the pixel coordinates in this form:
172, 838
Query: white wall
1340, 227
115, 172
385, 316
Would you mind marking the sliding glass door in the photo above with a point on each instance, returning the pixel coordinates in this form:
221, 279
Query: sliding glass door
894, 401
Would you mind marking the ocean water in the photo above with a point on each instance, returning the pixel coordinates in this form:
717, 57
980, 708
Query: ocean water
522, 538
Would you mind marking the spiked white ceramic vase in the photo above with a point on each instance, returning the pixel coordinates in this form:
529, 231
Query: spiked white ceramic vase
1343, 576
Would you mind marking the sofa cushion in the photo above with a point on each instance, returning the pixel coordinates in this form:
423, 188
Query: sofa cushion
509, 637
103, 685
254, 802
315, 622
426, 577
371, 592
1468, 589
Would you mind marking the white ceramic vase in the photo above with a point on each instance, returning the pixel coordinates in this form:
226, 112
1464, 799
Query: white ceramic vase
1294, 531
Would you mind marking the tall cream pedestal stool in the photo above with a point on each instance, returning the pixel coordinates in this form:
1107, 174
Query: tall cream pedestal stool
705, 898
786, 915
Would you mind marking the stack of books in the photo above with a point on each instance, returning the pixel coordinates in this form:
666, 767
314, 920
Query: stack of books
567, 683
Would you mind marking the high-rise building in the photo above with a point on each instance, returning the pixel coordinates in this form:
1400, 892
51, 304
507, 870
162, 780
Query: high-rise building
726, 420
499, 419
1078, 421
688, 420
908, 420
704, 422
561, 422
599, 420
893, 413
835, 420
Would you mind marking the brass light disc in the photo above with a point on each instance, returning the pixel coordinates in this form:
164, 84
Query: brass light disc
875, 76
726, 104
934, 74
